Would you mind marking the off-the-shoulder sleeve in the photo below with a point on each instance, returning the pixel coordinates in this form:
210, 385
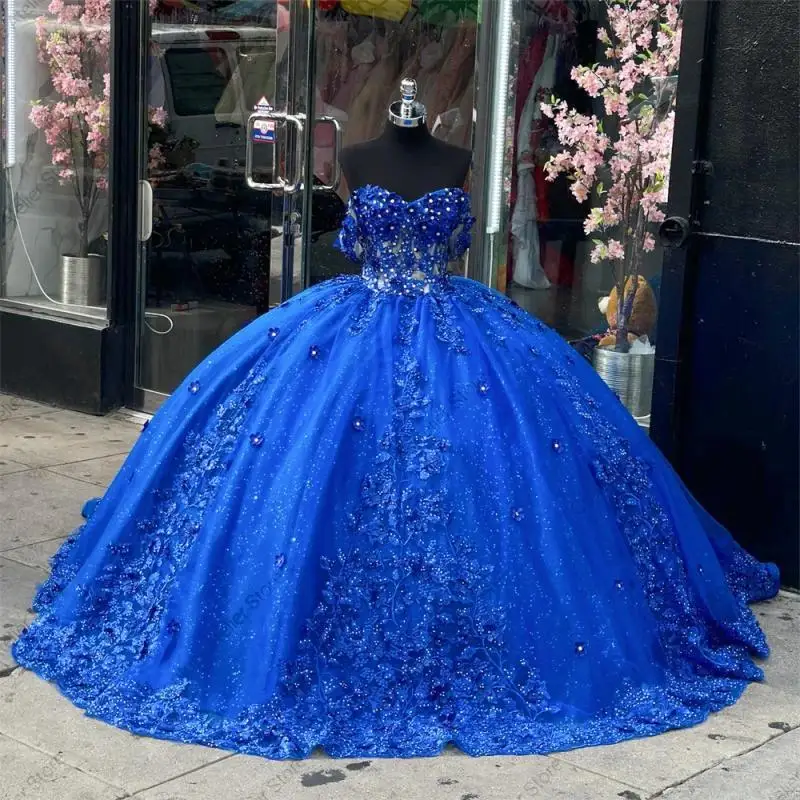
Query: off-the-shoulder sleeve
349, 238
462, 235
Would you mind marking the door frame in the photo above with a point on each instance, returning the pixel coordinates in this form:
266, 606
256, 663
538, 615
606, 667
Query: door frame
131, 35
686, 193
129, 19
295, 85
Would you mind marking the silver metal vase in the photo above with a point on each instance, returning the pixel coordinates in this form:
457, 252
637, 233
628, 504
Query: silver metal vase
629, 375
83, 280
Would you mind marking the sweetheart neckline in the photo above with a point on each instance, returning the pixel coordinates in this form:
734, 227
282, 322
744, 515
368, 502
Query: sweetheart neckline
416, 200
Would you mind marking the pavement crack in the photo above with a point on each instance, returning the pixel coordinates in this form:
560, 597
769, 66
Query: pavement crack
720, 763
183, 774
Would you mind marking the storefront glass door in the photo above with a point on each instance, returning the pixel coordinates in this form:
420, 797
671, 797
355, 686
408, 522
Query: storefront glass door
354, 64
205, 263
248, 109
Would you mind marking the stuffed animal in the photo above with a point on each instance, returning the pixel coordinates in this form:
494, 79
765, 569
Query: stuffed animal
643, 314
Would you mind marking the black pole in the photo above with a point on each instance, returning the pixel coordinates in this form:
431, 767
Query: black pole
128, 18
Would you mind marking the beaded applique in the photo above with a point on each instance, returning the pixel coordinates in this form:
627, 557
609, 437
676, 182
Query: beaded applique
134, 585
404, 247
406, 617
626, 479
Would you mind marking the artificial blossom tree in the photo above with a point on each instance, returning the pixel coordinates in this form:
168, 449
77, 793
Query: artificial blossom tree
74, 45
630, 146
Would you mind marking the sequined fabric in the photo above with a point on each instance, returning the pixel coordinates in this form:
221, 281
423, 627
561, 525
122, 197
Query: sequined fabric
405, 246
397, 512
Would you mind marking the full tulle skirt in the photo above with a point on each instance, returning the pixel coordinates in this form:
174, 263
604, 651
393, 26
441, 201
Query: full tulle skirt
378, 524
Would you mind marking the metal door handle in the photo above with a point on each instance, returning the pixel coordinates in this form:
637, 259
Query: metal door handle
279, 184
145, 211
296, 185
337, 146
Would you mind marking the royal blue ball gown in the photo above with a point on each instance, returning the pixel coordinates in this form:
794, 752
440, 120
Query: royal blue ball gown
397, 512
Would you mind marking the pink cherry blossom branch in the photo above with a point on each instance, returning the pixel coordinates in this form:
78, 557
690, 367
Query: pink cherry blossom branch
642, 47
74, 44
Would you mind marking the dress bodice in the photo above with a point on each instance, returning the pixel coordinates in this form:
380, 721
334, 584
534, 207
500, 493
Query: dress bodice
403, 246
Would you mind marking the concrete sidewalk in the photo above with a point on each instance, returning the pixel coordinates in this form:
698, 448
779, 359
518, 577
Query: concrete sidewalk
51, 461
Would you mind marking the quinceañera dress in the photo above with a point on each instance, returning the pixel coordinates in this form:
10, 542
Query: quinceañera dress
396, 512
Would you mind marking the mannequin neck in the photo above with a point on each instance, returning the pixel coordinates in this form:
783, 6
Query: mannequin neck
408, 161
406, 137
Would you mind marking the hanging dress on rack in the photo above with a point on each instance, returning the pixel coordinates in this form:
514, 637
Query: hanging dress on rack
362, 60
528, 270
458, 66
369, 107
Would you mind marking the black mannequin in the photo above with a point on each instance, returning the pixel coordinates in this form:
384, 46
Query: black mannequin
409, 161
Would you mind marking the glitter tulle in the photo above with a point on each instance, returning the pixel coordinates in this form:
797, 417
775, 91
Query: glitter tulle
397, 512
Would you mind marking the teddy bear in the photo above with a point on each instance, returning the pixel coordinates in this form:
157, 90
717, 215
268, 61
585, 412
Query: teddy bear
643, 314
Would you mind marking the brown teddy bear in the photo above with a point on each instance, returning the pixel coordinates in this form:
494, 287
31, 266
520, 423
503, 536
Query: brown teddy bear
643, 314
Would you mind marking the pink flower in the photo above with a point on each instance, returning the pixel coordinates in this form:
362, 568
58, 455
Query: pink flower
580, 191
642, 46
588, 80
616, 249
73, 42
158, 116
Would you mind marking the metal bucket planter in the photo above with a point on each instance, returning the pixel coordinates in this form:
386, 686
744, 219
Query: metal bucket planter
83, 280
629, 375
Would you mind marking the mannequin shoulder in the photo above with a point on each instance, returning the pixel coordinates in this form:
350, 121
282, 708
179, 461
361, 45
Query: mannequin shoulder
349, 160
453, 151
354, 152
353, 159
458, 159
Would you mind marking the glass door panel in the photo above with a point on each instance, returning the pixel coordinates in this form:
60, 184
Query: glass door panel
249, 109
356, 65
205, 268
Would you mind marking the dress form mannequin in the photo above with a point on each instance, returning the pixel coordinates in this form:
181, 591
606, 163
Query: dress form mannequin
406, 158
